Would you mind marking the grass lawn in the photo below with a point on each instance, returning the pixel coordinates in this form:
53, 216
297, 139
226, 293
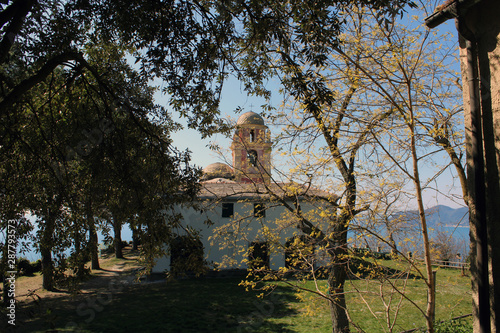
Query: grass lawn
370, 311
220, 305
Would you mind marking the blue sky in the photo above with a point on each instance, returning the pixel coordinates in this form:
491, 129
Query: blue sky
234, 97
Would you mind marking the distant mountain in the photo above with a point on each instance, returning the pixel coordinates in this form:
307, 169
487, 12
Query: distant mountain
445, 216
453, 221
438, 216
444, 224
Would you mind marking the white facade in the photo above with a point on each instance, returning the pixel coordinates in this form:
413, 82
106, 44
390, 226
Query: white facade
227, 240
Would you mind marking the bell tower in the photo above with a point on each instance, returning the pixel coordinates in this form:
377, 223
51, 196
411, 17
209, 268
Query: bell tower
251, 149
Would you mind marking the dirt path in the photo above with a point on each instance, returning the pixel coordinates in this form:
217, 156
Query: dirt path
123, 271
36, 307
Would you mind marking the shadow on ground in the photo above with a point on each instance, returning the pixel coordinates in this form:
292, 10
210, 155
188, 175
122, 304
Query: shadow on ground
191, 305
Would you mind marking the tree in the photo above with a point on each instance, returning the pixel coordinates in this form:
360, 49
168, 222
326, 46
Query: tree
45, 195
197, 45
404, 85
74, 148
366, 110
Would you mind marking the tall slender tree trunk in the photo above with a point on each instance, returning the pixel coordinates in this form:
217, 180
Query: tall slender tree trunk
117, 229
93, 239
46, 244
431, 287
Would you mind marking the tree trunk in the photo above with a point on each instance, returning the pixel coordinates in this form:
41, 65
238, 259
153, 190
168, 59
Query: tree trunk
135, 238
117, 229
431, 288
338, 274
46, 244
336, 248
93, 240
431, 285
392, 243
336, 282
94, 250
79, 256
47, 268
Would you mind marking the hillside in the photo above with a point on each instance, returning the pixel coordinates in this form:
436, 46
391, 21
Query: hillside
445, 225
446, 216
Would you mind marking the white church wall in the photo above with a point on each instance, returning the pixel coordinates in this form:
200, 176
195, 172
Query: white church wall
227, 240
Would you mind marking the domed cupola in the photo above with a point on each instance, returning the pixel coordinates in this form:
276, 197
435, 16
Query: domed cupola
217, 170
250, 118
251, 148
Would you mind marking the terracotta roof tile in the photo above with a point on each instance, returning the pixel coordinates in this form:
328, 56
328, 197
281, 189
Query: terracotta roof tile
229, 190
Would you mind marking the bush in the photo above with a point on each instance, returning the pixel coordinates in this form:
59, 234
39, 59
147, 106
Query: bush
461, 325
25, 267
37, 265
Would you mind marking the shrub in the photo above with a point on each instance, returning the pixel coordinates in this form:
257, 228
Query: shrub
25, 267
461, 325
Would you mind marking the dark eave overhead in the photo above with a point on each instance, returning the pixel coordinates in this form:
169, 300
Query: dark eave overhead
448, 10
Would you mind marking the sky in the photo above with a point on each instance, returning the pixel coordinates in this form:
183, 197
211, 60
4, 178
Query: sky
234, 97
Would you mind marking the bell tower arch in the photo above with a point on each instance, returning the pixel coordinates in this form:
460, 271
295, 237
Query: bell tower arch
251, 149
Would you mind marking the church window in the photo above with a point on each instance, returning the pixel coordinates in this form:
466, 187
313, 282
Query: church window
258, 255
227, 209
252, 157
259, 210
252, 135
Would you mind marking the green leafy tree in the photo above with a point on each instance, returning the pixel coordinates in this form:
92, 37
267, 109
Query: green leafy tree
77, 148
191, 45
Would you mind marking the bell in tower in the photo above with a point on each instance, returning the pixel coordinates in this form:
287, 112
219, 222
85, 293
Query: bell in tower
251, 148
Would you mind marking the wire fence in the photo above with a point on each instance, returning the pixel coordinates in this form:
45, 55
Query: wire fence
448, 264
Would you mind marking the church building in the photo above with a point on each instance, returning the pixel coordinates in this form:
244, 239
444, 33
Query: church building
241, 216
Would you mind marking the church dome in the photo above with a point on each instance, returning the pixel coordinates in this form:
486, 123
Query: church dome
250, 118
217, 170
